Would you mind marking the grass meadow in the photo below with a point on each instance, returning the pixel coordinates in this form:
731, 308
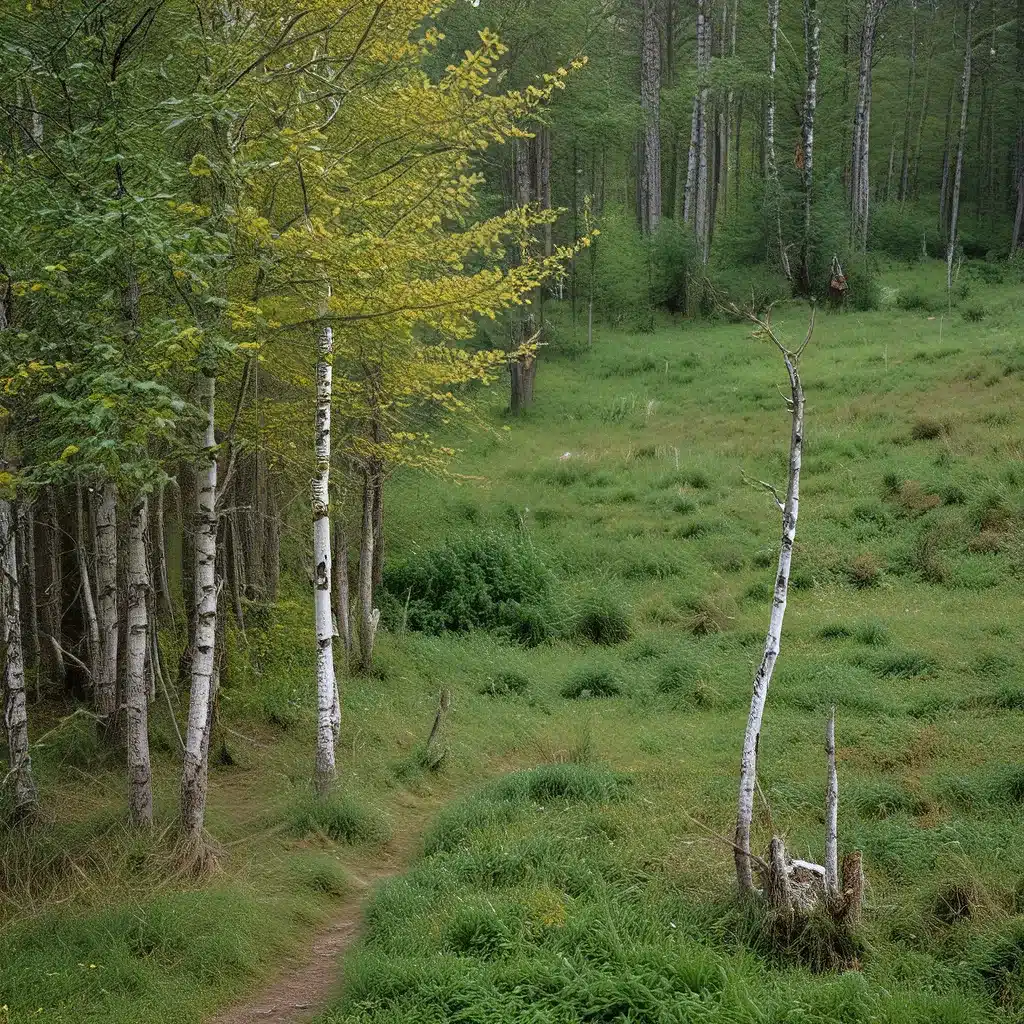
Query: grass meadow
564, 864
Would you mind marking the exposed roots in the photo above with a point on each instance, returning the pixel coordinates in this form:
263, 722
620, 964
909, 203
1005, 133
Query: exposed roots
195, 855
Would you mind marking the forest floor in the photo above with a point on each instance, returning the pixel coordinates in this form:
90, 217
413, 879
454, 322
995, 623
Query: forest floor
562, 867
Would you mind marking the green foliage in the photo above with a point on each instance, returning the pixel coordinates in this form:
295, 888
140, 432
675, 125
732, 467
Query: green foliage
508, 683
602, 620
338, 816
592, 681
477, 581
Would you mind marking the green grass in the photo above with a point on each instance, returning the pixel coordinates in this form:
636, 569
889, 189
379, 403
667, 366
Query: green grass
644, 557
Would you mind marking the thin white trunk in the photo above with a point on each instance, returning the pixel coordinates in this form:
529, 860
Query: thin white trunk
159, 545
772, 187
326, 684
92, 625
860, 189
140, 775
368, 615
812, 64
911, 84
106, 602
831, 815
693, 157
195, 764
650, 102
965, 92
762, 678
19, 774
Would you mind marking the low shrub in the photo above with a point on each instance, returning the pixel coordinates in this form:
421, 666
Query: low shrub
592, 681
603, 621
336, 816
864, 571
506, 684
927, 429
482, 581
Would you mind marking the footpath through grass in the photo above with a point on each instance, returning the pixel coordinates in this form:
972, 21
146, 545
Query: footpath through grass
617, 565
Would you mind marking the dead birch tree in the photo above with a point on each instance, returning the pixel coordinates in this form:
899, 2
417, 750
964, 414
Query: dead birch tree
790, 509
791, 888
19, 773
965, 93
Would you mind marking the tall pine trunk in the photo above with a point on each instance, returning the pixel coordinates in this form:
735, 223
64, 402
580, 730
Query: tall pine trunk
140, 775
204, 648
19, 773
321, 496
965, 92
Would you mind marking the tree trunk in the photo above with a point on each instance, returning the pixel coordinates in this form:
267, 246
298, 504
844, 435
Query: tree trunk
831, 816
911, 83
53, 603
343, 611
29, 592
321, 497
790, 510
140, 776
702, 197
925, 98
273, 543
812, 64
946, 163
378, 534
650, 103
965, 92
159, 545
860, 188
92, 623
772, 187
545, 185
1017, 239
15, 708
107, 601
195, 763
368, 615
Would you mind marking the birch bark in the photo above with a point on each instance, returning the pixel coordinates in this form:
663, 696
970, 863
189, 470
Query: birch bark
367, 613
650, 103
762, 678
321, 496
195, 763
15, 708
812, 64
965, 92
140, 776
106, 600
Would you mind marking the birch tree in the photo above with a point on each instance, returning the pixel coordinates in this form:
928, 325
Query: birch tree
195, 766
860, 188
140, 775
773, 191
965, 93
790, 508
812, 64
326, 683
19, 774
107, 607
650, 102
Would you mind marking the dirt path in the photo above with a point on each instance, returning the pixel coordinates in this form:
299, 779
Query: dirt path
309, 978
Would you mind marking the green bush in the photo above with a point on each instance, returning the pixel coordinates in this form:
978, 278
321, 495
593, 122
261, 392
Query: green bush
603, 621
592, 681
895, 232
483, 581
506, 684
337, 816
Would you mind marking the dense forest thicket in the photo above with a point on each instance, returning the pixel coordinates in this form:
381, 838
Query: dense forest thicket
255, 258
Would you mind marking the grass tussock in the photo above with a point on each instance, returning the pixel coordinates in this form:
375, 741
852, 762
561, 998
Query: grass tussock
337, 816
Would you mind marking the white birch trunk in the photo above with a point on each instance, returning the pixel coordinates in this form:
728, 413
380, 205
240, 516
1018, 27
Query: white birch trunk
140, 776
831, 816
92, 624
965, 92
693, 159
911, 85
812, 64
771, 164
326, 684
860, 188
650, 102
368, 615
106, 600
19, 773
763, 676
195, 764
